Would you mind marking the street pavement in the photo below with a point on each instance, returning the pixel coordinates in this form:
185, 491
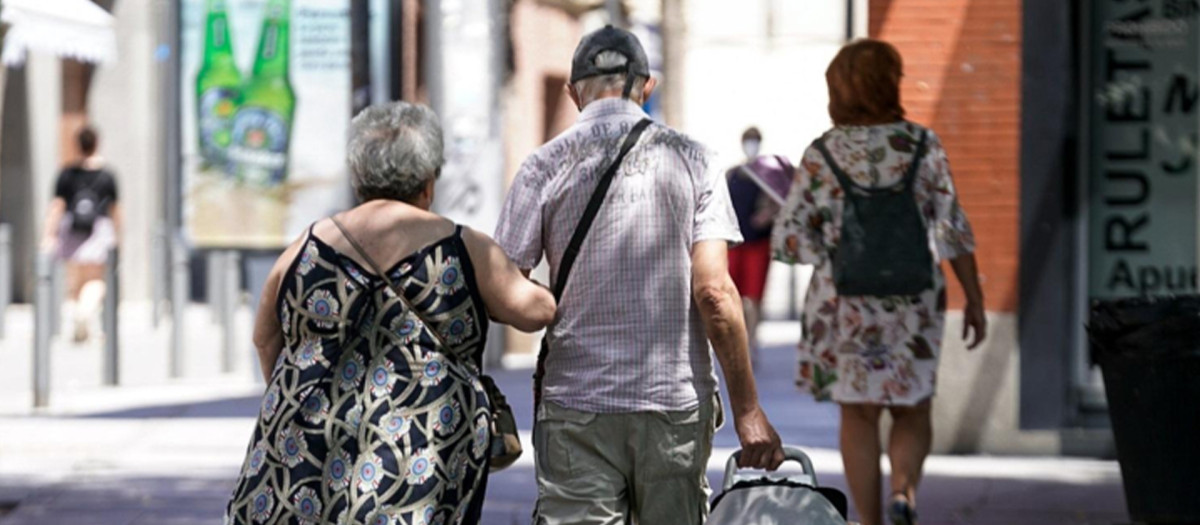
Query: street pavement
165, 451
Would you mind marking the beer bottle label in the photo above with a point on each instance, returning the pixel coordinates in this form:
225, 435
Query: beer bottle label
260, 145
217, 106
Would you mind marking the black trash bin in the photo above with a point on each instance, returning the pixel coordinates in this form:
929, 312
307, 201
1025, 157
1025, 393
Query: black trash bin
1149, 352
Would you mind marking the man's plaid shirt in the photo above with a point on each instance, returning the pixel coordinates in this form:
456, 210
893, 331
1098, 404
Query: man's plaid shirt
628, 337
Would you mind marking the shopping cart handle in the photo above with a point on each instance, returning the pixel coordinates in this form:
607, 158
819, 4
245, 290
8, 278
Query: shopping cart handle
789, 454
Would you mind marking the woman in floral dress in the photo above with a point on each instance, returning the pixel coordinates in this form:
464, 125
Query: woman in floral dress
374, 412
875, 353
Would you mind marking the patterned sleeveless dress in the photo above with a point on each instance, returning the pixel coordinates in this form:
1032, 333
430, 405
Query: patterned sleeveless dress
366, 420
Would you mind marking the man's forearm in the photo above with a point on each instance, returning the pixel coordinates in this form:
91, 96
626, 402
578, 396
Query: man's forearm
725, 326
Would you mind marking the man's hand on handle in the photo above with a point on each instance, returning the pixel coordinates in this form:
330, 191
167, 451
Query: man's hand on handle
761, 446
720, 307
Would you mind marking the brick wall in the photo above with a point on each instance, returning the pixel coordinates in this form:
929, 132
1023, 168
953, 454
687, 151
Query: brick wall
962, 78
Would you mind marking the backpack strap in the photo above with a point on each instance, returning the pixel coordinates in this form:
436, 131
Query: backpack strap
573, 248
847, 183
841, 176
914, 168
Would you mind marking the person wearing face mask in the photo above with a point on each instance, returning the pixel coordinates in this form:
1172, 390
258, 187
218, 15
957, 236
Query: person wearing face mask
757, 187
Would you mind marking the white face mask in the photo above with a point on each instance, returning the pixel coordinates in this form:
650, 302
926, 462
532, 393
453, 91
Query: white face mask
750, 147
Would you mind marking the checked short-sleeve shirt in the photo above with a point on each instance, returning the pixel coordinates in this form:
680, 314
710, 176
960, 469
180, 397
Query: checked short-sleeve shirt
628, 337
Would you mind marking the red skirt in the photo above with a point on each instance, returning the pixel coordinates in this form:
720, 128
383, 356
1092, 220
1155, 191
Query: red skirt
748, 264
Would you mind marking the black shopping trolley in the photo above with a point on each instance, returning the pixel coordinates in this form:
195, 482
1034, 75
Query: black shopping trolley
775, 499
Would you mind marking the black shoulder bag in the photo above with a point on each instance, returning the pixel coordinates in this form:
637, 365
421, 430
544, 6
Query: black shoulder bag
581, 231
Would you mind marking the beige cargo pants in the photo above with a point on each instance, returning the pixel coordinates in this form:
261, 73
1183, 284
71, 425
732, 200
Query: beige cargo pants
647, 468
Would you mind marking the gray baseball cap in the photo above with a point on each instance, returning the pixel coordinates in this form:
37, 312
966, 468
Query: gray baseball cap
609, 38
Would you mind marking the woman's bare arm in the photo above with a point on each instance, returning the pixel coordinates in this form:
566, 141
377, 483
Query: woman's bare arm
268, 332
54, 217
974, 318
511, 298
118, 219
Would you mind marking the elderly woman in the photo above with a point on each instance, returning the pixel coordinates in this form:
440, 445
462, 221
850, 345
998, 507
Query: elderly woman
874, 209
370, 334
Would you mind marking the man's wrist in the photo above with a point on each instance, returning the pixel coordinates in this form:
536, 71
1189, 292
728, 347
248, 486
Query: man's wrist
745, 409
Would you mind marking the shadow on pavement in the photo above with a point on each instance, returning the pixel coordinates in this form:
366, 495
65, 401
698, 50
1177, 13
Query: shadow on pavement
193, 498
165, 500
245, 406
113, 500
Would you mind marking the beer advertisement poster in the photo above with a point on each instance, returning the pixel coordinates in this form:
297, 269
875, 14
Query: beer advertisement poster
265, 107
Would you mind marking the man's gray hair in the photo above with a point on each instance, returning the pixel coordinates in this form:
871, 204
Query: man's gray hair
394, 150
589, 89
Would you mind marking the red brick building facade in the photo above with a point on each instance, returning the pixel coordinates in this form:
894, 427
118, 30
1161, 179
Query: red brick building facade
963, 78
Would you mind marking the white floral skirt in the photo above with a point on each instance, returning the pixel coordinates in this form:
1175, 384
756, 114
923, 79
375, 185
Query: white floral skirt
871, 350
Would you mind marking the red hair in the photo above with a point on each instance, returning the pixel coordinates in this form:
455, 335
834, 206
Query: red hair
864, 84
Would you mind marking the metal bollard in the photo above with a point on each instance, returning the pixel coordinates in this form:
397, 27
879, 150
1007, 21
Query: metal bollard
793, 287
112, 302
5, 273
231, 286
214, 273
44, 305
179, 299
158, 272
59, 291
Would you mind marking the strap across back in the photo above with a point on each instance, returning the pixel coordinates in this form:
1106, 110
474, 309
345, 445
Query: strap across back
847, 183
581, 231
398, 292
593, 208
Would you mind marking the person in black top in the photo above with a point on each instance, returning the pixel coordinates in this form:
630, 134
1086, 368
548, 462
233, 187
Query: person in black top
82, 225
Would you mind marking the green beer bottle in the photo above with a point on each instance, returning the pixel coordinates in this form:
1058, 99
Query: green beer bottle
217, 87
263, 124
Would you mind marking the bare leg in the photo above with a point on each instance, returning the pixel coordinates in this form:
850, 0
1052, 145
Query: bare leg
908, 446
860, 446
75, 280
87, 289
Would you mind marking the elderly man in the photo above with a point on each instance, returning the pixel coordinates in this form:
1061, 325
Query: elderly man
628, 394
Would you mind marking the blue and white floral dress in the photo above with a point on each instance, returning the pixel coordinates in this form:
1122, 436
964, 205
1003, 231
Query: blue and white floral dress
366, 419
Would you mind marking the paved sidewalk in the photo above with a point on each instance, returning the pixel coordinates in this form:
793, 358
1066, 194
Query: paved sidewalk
166, 451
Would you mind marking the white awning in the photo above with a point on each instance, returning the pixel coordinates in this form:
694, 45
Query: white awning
76, 29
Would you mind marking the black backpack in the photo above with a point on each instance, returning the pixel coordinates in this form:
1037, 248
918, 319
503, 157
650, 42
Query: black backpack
884, 249
86, 206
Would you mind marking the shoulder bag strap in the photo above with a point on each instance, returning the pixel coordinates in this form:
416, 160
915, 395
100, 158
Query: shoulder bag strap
593, 208
395, 290
581, 231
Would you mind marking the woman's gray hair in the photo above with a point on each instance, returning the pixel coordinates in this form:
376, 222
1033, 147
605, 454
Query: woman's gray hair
394, 150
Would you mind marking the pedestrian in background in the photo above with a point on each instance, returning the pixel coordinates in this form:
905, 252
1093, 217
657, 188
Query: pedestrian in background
371, 333
874, 209
756, 208
83, 225
628, 400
